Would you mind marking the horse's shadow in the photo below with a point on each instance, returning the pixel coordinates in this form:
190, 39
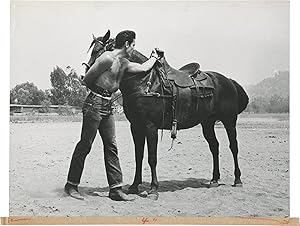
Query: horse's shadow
164, 186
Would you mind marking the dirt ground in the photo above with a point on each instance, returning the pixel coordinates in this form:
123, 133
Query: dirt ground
40, 155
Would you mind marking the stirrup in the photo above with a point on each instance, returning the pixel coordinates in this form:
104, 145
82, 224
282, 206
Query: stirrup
174, 129
173, 133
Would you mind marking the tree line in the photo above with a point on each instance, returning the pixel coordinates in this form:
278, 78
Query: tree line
273, 104
67, 89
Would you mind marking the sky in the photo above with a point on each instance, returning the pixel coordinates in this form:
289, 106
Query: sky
244, 40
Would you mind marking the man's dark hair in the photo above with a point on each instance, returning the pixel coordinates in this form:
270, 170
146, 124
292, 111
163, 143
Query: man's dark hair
124, 36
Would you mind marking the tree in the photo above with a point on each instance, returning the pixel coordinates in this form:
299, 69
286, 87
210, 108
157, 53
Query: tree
77, 91
274, 104
258, 105
67, 89
59, 92
28, 94
278, 104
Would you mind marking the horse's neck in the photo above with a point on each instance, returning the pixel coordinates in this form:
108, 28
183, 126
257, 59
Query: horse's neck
136, 83
137, 57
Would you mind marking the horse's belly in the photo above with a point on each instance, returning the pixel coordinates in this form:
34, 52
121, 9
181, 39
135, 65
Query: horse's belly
149, 109
190, 111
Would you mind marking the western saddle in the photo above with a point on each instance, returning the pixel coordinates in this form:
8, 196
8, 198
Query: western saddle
188, 80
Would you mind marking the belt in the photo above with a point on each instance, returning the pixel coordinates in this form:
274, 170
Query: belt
99, 90
99, 95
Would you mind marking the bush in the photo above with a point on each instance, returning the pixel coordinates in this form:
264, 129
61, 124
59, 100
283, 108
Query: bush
275, 104
64, 110
45, 103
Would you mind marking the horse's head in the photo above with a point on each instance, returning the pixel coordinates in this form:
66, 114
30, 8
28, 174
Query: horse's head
98, 46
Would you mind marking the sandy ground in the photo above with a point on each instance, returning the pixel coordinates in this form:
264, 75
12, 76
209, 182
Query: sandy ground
40, 155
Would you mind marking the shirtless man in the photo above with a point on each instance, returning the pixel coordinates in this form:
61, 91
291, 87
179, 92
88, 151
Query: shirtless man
103, 79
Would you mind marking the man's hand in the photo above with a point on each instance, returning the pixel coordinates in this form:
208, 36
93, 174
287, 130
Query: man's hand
159, 52
154, 54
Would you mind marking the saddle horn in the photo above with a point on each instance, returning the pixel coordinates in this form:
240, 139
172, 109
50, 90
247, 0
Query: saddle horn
160, 52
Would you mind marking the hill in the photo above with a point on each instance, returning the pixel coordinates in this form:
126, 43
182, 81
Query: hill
277, 85
271, 95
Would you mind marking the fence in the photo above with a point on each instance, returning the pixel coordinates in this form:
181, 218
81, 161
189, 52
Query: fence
31, 109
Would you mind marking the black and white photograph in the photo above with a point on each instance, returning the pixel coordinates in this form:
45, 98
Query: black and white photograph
149, 109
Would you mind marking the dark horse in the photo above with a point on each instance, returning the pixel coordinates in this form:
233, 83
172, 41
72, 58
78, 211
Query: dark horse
148, 113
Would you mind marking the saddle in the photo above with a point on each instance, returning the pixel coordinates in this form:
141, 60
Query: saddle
191, 69
188, 80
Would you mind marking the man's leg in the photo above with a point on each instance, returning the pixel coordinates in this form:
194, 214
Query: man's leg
89, 130
112, 164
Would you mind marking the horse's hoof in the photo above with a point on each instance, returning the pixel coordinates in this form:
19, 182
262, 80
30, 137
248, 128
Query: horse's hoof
133, 190
143, 194
153, 195
213, 184
238, 185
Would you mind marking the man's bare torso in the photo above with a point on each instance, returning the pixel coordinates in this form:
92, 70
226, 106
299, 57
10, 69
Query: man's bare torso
110, 79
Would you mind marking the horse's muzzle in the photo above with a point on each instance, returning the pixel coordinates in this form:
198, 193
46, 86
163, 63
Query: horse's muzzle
84, 68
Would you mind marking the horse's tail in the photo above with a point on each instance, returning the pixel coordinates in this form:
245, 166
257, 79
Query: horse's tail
243, 98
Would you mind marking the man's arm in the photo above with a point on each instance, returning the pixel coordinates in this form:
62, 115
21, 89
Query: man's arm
146, 66
101, 65
136, 67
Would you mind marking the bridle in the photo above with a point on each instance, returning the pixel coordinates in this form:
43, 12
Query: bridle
106, 46
99, 53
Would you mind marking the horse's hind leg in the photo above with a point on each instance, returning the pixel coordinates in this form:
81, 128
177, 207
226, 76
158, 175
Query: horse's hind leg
152, 139
210, 136
138, 134
230, 126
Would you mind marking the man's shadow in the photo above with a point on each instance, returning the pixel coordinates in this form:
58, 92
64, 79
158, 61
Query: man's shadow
164, 186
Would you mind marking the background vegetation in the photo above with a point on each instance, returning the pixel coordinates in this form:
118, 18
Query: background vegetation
271, 95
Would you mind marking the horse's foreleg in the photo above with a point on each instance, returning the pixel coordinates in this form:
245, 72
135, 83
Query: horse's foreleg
230, 126
138, 134
152, 139
210, 136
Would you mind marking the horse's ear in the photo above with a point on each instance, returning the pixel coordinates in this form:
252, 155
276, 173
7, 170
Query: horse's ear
94, 37
106, 36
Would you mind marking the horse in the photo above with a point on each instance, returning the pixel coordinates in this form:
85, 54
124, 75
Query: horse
148, 105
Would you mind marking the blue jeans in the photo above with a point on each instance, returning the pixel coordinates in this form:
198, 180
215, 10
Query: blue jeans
97, 115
